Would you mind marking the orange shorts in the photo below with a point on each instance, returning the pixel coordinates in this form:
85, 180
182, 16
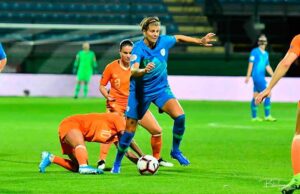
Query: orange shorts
64, 128
112, 106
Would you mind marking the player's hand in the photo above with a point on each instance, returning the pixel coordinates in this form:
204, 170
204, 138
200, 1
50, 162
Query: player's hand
247, 80
205, 41
261, 96
149, 67
111, 99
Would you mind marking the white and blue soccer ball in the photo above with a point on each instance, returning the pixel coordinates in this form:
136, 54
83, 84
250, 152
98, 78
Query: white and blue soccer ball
147, 165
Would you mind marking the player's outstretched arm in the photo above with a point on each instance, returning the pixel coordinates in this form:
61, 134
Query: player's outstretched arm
280, 71
205, 41
270, 70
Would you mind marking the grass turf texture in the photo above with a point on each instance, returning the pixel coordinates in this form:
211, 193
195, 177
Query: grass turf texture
228, 152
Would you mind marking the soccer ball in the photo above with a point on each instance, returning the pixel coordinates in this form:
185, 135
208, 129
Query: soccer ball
147, 165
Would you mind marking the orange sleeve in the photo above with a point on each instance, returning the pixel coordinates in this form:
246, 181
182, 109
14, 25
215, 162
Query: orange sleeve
295, 45
106, 75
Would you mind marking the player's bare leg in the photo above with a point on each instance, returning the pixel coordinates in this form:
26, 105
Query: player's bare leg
295, 155
150, 124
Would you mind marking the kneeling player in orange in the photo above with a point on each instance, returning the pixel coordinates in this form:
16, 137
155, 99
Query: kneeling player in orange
118, 74
74, 131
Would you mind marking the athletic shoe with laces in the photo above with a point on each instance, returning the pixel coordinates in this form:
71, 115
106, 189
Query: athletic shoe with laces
164, 163
89, 170
45, 161
116, 169
293, 185
180, 157
101, 164
270, 118
256, 119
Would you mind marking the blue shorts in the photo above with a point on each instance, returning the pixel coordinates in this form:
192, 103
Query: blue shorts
138, 105
259, 86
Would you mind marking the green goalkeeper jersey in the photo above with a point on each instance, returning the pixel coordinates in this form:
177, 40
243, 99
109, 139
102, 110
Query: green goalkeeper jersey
85, 64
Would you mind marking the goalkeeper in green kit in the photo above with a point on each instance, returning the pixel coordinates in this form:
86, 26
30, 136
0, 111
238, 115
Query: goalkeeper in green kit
85, 65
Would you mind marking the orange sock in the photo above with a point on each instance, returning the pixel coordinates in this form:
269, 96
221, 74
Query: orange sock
104, 148
156, 142
296, 154
81, 155
66, 163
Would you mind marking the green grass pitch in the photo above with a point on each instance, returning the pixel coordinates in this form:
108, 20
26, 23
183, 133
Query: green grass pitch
228, 152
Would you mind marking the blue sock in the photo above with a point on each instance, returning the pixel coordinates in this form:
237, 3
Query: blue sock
178, 131
267, 106
253, 109
123, 145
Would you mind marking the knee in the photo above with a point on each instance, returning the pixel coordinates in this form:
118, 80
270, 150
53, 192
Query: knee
131, 125
180, 120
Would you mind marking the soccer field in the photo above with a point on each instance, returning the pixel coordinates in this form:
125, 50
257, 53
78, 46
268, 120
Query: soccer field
228, 152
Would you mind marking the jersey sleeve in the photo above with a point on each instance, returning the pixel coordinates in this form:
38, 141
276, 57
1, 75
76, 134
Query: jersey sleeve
169, 41
252, 57
295, 45
136, 55
2, 53
106, 75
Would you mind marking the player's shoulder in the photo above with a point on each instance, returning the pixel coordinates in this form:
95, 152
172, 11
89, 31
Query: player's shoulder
253, 51
296, 38
113, 63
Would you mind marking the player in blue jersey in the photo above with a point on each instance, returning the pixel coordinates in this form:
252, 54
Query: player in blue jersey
258, 64
3, 59
149, 84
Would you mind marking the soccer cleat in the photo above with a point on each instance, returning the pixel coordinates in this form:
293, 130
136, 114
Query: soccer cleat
164, 163
270, 118
89, 170
45, 161
293, 185
116, 169
180, 157
101, 164
256, 119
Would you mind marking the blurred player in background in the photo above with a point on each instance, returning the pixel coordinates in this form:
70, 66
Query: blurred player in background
258, 64
118, 74
292, 54
149, 84
3, 59
74, 131
85, 65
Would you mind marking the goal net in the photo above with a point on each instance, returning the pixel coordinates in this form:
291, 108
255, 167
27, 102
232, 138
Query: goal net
51, 48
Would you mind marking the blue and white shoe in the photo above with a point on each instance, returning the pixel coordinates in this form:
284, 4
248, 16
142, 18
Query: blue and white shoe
116, 169
45, 161
89, 170
180, 157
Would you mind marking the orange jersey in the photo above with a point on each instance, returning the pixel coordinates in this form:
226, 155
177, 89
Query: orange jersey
95, 127
295, 45
119, 78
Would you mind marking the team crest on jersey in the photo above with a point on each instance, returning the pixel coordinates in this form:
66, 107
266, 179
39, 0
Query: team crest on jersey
163, 52
133, 57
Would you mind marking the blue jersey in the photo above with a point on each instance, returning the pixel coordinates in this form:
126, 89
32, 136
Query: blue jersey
260, 60
2, 53
156, 80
